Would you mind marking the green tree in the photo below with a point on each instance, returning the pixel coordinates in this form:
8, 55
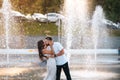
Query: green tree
111, 8
51, 5
40, 6
27, 6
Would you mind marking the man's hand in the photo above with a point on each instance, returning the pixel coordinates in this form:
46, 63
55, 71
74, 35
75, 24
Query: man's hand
60, 53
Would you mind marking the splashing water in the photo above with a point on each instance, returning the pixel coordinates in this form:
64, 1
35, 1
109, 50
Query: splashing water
99, 29
74, 25
81, 32
12, 34
6, 8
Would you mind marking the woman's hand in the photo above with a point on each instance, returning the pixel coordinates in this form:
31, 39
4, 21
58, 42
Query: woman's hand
45, 51
51, 56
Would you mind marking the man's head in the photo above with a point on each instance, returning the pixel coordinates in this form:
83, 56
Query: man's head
48, 40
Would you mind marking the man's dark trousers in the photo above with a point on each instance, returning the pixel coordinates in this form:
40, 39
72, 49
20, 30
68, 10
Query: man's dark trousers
65, 69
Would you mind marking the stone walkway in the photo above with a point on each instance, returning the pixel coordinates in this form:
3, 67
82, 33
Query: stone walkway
25, 67
78, 72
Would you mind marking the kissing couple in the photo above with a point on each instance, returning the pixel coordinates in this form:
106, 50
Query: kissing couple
54, 53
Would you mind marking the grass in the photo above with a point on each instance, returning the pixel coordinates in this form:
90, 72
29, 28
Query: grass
115, 32
35, 28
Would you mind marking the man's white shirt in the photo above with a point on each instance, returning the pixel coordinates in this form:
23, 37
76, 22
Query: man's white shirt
60, 60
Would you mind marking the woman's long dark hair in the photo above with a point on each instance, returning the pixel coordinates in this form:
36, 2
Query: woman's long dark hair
40, 45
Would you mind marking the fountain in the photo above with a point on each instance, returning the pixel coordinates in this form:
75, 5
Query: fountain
75, 27
79, 34
98, 26
7, 35
10, 34
6, 14
6, 8
80, 31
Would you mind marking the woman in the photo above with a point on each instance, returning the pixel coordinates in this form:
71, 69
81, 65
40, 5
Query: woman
44, 53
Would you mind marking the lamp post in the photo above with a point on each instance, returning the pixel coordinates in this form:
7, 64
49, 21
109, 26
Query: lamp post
58, 23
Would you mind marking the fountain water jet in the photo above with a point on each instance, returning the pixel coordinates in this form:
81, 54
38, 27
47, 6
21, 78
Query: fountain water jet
98, 26
74, 25
6, 8
7, 19
73, 29
81, 32
12, 32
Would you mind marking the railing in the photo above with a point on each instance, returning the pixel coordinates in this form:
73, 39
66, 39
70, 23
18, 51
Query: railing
19, 56
72, 51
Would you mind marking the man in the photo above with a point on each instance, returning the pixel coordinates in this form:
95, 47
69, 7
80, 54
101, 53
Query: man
61, 60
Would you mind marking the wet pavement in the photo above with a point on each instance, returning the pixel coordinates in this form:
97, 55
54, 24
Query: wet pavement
25, 67
78, 72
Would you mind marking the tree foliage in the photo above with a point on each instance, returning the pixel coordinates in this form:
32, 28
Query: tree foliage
40, 6
111, 8
27, 6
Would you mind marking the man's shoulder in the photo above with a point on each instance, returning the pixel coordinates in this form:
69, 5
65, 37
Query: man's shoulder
56, 43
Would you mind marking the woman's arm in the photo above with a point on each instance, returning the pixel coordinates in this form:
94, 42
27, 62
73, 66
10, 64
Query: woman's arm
52, 50
45, 51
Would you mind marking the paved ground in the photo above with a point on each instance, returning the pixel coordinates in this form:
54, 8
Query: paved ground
25, 67
78, 72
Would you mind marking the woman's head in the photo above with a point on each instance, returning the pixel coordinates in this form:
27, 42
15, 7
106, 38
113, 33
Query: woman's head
41, 45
